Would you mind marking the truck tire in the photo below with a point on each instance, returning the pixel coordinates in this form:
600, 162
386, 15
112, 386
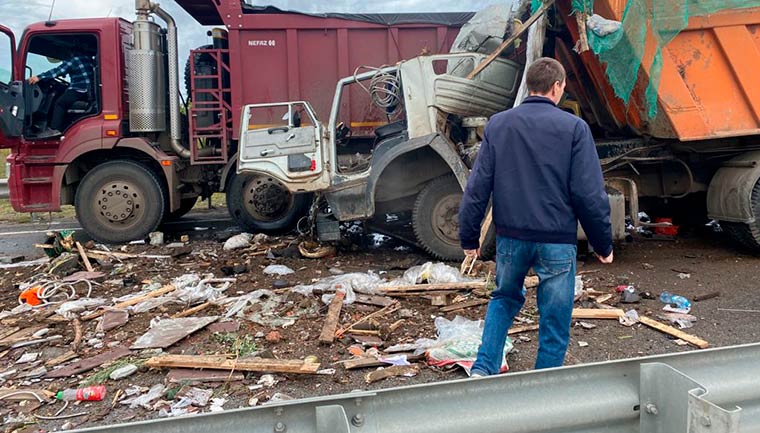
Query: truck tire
435, 219
260, 203
119, 201
185, 206
747, 236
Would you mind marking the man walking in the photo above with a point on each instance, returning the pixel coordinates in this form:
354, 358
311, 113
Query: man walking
541, 165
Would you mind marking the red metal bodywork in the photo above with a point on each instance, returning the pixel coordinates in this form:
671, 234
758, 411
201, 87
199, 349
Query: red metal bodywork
296, 57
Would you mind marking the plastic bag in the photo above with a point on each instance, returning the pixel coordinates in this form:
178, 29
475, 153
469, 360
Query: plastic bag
457, 343
71, 309
433, 273
194, 288
350, 283
278, 270
602, 26
143, 400
239, 304
241, 240
578, 285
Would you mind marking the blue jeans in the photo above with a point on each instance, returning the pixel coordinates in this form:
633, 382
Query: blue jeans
555, 266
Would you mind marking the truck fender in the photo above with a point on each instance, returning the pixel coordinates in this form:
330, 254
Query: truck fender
382, 159
168, 165
226, 172
729, 197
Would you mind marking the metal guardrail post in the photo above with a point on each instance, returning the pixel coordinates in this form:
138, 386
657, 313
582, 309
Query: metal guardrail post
4, 192
658, 394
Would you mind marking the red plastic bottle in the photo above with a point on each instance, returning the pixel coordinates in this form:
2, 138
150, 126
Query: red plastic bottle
90, 393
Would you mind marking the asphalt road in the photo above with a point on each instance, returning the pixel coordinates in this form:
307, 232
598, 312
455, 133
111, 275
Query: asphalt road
19, 239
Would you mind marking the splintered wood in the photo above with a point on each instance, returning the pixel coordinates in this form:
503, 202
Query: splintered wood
702, 344
333, 316
134, 301
214, 362
591, 313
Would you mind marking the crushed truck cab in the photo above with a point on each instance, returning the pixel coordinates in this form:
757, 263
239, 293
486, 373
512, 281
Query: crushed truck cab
415, 164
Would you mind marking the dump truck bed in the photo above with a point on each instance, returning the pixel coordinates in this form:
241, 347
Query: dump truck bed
707, 86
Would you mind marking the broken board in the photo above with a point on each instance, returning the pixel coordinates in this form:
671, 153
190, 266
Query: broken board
214, 362
593, 313
702, 344
88, 364
463, 305
331, 321
186, 375
169, 331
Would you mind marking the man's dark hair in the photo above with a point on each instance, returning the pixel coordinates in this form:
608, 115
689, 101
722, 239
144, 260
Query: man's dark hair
542, 75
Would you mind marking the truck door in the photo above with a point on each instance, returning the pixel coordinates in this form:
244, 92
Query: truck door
11, 92
284, 140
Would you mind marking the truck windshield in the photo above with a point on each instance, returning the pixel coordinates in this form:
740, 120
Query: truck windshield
377, 6
5, 59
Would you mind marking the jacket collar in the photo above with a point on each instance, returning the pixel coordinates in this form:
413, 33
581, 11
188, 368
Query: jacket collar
538, 99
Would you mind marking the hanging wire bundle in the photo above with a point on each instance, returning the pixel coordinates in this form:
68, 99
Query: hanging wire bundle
384, 89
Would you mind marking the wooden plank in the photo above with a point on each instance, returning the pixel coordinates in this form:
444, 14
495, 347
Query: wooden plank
591, 313
434, 287
129, 302
702, 344
88, 364
68, 356
353, 364
603, 298
379, 301
333, 316
509, 41
191, 311
214, 362
86, 261
519, 329
392, 371
463, 305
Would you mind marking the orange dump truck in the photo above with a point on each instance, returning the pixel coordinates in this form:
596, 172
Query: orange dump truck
674, 100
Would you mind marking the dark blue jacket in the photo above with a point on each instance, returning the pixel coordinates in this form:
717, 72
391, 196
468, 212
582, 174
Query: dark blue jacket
541, 165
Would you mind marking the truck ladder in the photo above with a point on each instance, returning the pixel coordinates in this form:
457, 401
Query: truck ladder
210, 100
695, 392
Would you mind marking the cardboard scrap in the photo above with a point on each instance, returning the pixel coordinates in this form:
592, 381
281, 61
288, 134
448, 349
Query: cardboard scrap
169, 331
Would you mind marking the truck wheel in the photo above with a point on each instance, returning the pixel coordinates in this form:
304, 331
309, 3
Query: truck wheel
119, 201
185, 206
260, 203
747, 235
436, 220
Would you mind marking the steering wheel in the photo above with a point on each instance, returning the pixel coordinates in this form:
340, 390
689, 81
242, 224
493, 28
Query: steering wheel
342, 134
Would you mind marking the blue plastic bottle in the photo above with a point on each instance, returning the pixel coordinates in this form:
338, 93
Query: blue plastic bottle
677, 300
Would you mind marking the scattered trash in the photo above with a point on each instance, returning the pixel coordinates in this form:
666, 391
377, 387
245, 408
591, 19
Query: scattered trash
629, 295
164, 333
681, 342
679, 301
267, 380
90, 393
156, 238
393, 371
121, 373
586, 325
706, 296
578, 285
395, 360
27, 358
241, 240
602, 27
314, 250
582, 344
684, 276
278, 270
216, 404
273, 337
630, 318
647, 266
279, 396
457, 343
144, 400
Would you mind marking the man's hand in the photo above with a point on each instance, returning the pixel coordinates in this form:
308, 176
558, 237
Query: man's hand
607, 260
472, 253
34, 80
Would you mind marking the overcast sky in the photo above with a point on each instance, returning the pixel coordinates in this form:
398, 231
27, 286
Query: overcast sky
17, 14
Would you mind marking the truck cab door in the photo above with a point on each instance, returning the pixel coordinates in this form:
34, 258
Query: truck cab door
288, 147
11, 92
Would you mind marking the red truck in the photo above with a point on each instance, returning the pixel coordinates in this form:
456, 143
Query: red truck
133, 156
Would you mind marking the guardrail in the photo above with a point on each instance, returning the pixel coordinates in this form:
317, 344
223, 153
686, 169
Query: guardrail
657, 394
4, 193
